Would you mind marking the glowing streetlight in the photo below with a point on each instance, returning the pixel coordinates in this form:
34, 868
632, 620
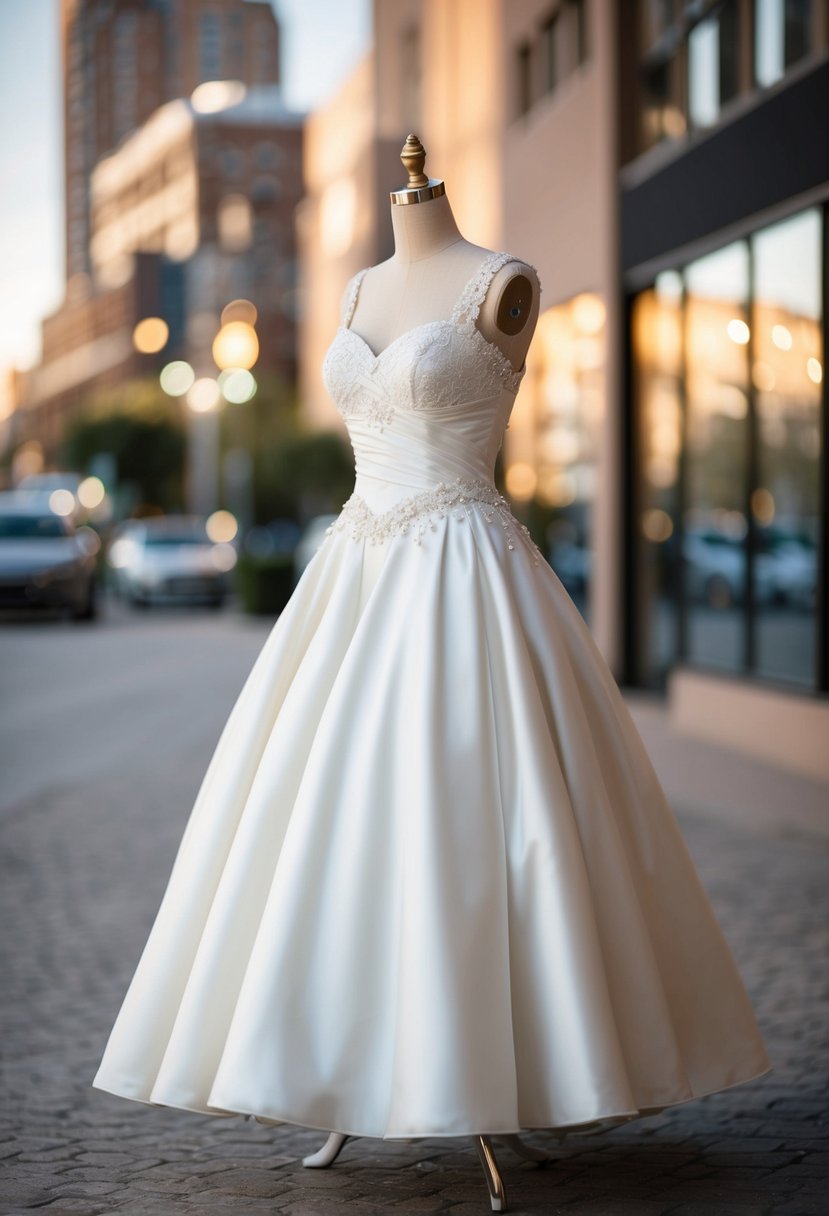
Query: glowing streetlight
236, 345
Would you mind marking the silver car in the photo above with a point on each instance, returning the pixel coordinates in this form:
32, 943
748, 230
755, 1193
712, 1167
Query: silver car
45, 561
170, 559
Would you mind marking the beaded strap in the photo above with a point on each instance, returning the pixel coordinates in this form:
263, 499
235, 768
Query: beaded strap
468, 306
466, 311
414, 514
351, 292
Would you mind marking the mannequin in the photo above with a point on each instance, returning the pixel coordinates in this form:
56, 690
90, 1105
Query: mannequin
420, 283
429, 268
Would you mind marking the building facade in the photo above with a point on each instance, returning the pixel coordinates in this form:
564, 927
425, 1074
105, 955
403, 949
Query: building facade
724, 200
665, 168
122, 61
174, 208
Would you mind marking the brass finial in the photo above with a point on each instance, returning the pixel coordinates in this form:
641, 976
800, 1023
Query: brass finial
419, 187
414, 158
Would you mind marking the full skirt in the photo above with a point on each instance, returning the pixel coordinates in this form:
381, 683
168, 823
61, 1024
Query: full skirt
430, 884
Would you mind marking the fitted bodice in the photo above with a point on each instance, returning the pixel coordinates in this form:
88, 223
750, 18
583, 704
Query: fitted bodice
430, 407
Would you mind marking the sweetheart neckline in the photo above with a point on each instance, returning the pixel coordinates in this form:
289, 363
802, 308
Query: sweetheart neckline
425, 325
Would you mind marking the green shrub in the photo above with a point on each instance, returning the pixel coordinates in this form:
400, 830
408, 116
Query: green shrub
264, 584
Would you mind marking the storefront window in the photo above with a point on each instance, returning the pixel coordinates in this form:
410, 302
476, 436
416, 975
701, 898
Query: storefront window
551, 445
728, 372
787, 370
714, 522
657, 341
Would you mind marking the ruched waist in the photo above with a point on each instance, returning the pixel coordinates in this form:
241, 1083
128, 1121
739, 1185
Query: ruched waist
413, 455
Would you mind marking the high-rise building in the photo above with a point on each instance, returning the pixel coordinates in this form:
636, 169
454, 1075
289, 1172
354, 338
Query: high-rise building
177, 202
122, 59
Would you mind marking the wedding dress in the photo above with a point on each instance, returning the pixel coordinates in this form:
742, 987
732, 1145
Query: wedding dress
430, 885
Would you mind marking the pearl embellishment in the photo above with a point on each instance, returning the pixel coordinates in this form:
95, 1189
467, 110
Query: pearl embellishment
415, 514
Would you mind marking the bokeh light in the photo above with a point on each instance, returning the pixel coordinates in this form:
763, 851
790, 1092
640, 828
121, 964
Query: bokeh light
239, 310
177, 378
222, 526
738, 331
62, 502
236, 346
203, 395
150, 335
781, 336
91, 492
521, 481
237, 384
215, 95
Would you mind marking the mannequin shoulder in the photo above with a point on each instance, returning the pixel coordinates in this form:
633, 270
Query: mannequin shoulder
514, 296
516, 269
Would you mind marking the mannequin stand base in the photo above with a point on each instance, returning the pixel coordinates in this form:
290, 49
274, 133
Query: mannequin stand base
329, 1152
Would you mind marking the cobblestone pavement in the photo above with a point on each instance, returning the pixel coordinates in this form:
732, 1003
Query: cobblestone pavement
84, 864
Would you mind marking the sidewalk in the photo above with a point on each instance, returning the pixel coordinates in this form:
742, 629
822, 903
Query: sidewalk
728, 785
84, 864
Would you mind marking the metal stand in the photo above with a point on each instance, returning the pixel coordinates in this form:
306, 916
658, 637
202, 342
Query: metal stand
494, 1182
329, 1152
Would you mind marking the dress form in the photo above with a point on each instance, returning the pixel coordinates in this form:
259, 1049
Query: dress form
420, 283
430, 265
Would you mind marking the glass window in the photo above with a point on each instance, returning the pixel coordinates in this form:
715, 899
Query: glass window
551, 445
578, 10
549, 39
657, 343
661, 116
714, 521
657, 17
524, 74
728, 393
787, 371
782, 36
210, 46
713, 64
266, 155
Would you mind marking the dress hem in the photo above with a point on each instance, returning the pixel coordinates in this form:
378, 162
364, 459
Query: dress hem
616, 1117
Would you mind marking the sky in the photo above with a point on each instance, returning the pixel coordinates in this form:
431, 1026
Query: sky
321, 42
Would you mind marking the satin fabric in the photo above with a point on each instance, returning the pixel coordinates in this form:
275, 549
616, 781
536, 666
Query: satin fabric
430, 884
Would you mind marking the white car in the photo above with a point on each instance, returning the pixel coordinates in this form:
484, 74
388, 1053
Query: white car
170, 559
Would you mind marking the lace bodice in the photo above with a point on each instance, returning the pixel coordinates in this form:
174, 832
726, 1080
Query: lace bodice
426, 417
435, 366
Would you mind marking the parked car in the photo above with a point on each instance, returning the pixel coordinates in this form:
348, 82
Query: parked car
170, 559
715, 569
39, 488
45, 561
793, 567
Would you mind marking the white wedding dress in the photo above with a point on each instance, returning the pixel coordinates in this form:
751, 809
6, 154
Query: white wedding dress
430, 885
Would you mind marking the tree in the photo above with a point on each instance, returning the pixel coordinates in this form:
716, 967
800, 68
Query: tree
149, 455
